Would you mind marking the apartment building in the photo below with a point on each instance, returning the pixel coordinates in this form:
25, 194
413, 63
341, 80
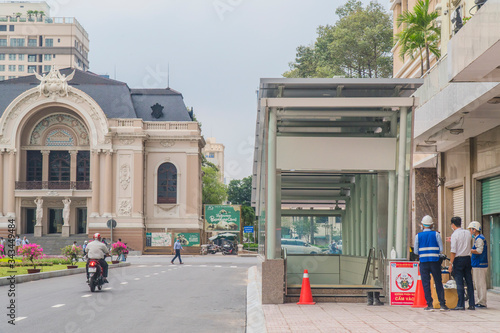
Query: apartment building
32, 41
214, 153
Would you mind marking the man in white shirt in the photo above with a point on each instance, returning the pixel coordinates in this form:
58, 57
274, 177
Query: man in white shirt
460, 263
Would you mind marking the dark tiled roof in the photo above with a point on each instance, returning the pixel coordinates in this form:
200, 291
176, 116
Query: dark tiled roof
115, 98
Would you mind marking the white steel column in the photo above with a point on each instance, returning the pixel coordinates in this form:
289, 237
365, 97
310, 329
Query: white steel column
369, 215
363, 217
401, 183
271, 186
357, 216
390, 211
375, 241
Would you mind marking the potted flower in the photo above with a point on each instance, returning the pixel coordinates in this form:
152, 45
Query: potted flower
119, 249
72, 253
31, 252
1, 251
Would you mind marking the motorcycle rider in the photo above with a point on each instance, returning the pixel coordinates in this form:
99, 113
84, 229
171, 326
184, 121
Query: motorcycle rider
97, 250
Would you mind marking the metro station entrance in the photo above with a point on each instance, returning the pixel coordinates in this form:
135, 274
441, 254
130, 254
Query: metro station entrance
332, 149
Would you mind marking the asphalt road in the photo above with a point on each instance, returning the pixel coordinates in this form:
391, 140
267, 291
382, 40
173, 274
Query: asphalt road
206, 294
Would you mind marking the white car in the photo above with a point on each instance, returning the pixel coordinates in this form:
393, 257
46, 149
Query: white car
297, 246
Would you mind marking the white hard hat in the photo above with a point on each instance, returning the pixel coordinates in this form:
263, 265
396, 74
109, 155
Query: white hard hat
474, 225
427, 221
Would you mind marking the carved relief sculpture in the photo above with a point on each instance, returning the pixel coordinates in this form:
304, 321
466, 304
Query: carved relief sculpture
124, 176
125, 208
54, 83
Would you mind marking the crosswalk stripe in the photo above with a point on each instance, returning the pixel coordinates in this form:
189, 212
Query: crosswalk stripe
20, 318
58, 305
88, 295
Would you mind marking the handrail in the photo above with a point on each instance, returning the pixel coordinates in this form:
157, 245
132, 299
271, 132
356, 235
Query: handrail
367, 269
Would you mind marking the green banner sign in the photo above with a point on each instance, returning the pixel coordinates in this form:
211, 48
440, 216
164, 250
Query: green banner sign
222, 217
188, 238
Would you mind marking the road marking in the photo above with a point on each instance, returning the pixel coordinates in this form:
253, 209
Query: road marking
58, 305
157, 266
217, 266
188, 265
155, 274
147, 275
137, 279
163, 271
203, 265
142, 266
108, 288
233, 266
20, 318
87, 295
124, 283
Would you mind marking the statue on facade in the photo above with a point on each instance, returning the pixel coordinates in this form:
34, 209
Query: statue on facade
39, 211
66, 203
54, 83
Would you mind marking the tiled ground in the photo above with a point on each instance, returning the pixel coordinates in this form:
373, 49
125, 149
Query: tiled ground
347, 317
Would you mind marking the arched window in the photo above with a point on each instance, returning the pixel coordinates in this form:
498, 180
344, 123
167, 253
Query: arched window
83, 166
167, 183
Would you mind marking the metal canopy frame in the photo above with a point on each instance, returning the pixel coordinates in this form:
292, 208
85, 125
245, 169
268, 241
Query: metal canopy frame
324, 108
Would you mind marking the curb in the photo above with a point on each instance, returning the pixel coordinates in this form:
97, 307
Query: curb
47, 275
256, 322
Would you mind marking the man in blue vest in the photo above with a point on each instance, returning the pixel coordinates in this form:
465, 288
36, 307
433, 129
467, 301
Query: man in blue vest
428, 246
479, 261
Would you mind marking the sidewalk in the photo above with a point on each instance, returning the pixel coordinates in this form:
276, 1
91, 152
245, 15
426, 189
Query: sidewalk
349, 317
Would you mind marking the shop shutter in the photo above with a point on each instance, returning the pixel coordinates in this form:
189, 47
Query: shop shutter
490, 195
458, 202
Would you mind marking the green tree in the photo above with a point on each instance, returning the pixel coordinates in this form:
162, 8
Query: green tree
358, 45
304, 226
419, 33
240, 193
213, 190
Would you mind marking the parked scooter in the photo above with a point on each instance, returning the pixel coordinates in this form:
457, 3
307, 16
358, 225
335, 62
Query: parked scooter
95, 275
213, 248
229, 248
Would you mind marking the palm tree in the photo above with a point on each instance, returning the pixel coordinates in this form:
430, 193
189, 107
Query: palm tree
419, 33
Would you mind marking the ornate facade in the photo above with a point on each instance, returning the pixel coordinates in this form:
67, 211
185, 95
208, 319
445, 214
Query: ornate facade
79, 150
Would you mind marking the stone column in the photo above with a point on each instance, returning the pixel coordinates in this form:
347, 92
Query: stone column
138, 179
11, 185
1, 182
108, 197
73, 166
45, 165
95, 176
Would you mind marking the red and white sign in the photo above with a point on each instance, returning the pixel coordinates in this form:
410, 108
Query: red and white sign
403, 279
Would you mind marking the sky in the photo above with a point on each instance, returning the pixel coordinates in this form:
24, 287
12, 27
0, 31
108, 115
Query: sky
216, 51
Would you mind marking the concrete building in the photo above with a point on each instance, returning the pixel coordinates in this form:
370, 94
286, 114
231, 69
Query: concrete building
32, 41
456, 135
77, 150
214, 153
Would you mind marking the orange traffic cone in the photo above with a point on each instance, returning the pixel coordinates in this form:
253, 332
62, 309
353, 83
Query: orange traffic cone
419, 300
306, 297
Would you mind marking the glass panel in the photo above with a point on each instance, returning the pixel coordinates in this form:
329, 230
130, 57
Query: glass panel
59, 166
30, 220
34, 165
167, 183
55, 221
83, 166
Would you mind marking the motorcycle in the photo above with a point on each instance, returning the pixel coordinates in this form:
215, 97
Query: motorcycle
229, 249
213, 249
95, 275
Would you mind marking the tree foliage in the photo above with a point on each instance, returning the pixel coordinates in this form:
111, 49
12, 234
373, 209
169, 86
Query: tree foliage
419, 33
357, 45
213, 190
240, 193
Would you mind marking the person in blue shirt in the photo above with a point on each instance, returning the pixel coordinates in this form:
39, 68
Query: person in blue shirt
479, 262
177, 248
428, 246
